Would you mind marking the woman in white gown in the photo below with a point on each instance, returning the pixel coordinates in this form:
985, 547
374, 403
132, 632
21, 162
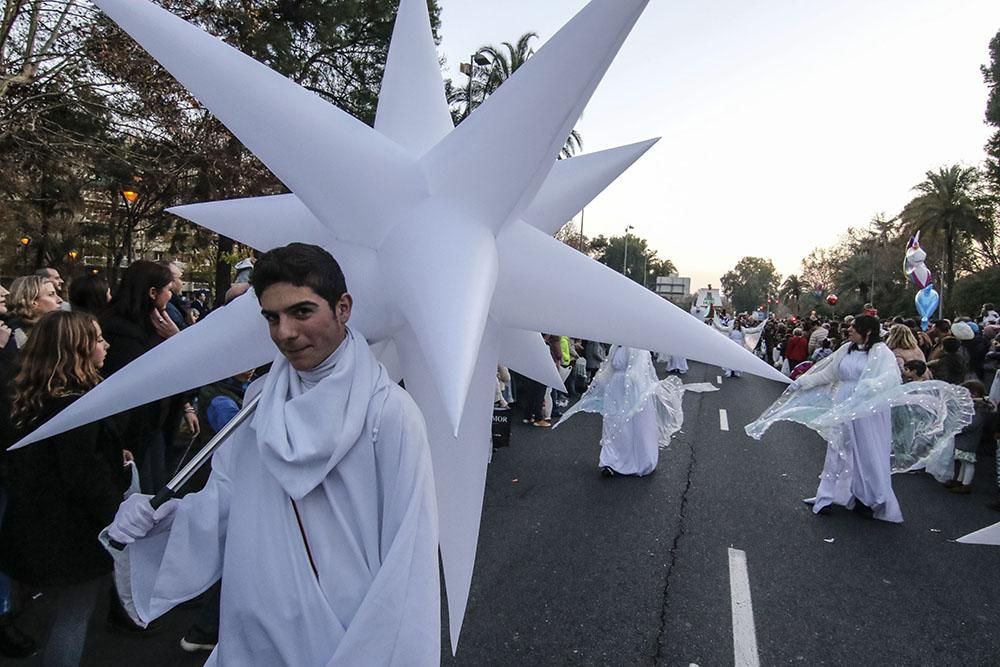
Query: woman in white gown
744, 336
640, 412
848, 398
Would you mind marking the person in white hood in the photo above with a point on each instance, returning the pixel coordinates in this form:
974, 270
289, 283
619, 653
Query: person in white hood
319, 514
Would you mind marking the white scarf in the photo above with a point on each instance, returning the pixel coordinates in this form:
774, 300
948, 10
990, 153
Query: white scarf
307, 421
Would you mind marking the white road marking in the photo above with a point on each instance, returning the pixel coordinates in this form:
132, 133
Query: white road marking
723, 420
718, 379
744, 635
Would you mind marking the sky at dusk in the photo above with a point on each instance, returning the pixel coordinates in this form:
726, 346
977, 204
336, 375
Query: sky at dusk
782, 122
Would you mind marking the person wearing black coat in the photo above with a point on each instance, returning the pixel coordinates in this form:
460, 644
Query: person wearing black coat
62, 490
134, 323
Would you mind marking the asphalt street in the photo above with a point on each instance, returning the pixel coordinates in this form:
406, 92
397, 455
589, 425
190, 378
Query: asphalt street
577, 569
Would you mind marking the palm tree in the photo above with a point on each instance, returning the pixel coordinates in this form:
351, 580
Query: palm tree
792, 288
951, 205
504, 61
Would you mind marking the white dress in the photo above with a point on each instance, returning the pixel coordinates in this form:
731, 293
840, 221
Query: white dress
629, 444
641, 412
858, 467
676, 364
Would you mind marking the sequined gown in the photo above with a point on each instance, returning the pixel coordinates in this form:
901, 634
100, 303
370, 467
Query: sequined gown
859, 468
629, 446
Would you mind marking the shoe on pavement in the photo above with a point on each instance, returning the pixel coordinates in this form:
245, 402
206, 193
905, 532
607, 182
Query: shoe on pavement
196, 639
607, 472
951, 484
543, 423
962, 489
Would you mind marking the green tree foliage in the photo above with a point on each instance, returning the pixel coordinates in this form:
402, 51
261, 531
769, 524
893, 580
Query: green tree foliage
952, 207
83, 104
791, 291
750, 283
991, 74
972, 291
643, 265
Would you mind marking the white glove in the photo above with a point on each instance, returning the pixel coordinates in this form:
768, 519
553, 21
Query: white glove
135, 518
795, 385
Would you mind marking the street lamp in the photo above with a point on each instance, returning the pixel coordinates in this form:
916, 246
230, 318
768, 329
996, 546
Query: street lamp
72, 254
469, 69
25, 241
131, 195
625, 260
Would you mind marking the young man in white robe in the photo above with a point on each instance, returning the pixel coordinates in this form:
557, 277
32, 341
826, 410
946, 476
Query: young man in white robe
319, 514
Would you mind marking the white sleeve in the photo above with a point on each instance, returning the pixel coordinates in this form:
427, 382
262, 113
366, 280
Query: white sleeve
175, 563
825, 372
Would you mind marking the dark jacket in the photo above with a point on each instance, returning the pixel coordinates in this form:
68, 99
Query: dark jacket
61, 492
128, 341
968, 440
949, 367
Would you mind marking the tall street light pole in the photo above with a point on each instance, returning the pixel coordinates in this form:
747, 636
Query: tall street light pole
469, 69
625, 260
582, 211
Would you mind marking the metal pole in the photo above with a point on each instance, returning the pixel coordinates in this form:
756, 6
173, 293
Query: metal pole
645, 270
200, 459
468, 101
625, 260
582, 211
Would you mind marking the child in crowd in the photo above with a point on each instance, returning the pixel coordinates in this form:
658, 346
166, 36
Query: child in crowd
823, 351
914, 370
967, 442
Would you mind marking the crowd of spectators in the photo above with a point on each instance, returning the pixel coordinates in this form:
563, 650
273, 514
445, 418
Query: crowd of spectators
56, 495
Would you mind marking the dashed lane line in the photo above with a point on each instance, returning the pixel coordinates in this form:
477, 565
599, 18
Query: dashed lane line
744, 634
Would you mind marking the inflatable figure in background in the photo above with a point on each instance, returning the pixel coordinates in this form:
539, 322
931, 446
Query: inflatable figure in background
641, 412
927, 298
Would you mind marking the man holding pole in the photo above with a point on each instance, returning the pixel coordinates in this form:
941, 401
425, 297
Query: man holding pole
320, 510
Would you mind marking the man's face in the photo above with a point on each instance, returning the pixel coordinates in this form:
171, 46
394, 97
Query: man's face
302, 325
176, 284
55, 279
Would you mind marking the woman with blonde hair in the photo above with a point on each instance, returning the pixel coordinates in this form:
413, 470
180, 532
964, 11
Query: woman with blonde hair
904, 345
30, 297
64, 489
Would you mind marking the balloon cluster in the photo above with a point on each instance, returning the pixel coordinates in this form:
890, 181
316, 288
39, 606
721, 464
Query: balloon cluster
927, 298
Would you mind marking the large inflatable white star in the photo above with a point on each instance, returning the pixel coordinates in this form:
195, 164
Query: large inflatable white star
444, 235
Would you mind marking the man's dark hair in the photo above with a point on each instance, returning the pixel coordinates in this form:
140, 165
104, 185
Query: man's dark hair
916, 367
303, 265
951, 344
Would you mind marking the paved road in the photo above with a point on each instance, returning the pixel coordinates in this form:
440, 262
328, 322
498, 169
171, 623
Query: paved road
577, 569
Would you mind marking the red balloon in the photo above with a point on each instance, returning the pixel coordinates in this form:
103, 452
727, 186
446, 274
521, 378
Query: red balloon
832, 299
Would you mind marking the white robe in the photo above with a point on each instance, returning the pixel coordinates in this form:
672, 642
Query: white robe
351, 452
629, 444
857, 467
